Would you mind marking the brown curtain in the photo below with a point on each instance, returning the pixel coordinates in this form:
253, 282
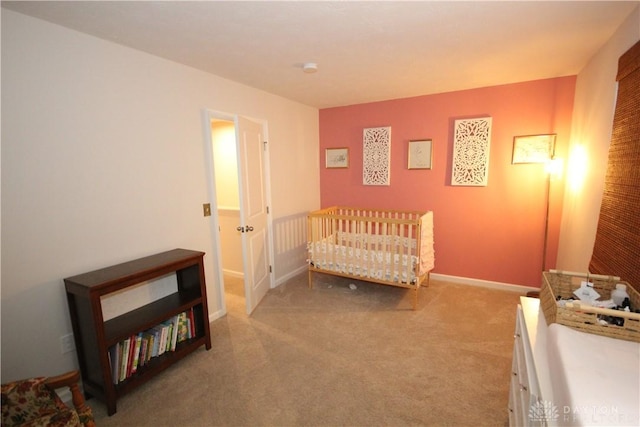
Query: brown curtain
617, 246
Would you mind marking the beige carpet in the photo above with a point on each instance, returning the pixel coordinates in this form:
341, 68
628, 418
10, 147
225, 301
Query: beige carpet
336, 356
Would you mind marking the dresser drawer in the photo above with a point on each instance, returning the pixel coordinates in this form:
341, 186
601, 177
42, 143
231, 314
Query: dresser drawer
524, 391
519, 351
515, 408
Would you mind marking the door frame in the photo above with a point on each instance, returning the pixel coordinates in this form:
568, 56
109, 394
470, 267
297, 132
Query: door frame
218, 282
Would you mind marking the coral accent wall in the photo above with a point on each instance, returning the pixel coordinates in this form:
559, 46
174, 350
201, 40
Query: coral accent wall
493, 233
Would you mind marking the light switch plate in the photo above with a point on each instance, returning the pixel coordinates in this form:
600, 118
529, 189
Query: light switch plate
206, 208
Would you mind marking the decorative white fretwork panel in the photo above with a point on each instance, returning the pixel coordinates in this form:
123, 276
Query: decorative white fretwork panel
376, 156
471, 141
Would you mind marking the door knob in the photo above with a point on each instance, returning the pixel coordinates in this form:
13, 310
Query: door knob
249, 228
240, 229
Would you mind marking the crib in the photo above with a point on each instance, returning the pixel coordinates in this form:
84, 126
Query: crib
389, 247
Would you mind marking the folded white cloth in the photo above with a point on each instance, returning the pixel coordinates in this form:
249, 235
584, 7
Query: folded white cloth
595, 379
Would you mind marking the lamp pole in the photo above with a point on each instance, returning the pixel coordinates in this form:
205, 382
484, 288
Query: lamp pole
553, 168
546, 223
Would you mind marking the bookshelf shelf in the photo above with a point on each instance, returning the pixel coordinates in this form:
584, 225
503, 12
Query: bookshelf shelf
94, 336
147, 316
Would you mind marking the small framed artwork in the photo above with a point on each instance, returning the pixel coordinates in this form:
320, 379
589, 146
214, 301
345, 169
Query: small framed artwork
420, 153
533, 148
337, 158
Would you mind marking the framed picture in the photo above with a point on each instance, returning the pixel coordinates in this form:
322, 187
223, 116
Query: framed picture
533, 148
337, 158
420, 152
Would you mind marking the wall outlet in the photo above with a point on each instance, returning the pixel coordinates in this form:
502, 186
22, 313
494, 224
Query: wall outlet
67, 345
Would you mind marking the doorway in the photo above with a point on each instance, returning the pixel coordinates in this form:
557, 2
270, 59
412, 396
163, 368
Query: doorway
241, 222
225, 165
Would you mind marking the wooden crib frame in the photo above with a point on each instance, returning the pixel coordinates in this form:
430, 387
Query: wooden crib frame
389, 247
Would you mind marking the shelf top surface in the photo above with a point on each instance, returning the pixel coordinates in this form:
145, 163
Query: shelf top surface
136, 268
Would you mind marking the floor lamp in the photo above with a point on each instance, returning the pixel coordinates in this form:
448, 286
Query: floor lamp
539, 149
546, 223
552, 170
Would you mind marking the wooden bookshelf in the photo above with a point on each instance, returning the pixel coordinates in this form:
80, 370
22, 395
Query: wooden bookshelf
94, 336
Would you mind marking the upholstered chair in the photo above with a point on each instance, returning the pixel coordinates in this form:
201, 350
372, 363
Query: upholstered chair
34, 402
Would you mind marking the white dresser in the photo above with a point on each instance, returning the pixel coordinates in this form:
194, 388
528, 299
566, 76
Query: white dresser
530, 385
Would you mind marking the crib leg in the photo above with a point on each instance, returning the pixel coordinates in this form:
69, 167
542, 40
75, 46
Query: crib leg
310, 280
415, 297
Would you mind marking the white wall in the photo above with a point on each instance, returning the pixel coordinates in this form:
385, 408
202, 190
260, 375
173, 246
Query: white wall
103, 162
592, 121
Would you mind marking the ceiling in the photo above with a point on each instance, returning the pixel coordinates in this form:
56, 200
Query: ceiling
365, 50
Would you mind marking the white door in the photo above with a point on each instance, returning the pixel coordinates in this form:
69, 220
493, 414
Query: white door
253, 210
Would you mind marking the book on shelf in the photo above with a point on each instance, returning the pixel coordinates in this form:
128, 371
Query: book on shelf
174, 332
136, 353
143, 350
159, 340
151, 341
168, 329
183, 327
156, 332
114, 361
124, 359
192, 323
132, 351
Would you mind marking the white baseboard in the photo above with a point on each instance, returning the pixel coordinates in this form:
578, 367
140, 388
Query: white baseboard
215, 315
233, 273
484, 283
291, 274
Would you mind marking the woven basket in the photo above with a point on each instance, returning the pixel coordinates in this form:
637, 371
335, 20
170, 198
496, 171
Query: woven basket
582, 317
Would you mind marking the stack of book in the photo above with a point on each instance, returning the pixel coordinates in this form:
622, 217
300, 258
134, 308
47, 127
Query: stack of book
134, 352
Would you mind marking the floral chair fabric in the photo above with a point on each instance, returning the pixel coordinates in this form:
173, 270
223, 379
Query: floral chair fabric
34, 402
